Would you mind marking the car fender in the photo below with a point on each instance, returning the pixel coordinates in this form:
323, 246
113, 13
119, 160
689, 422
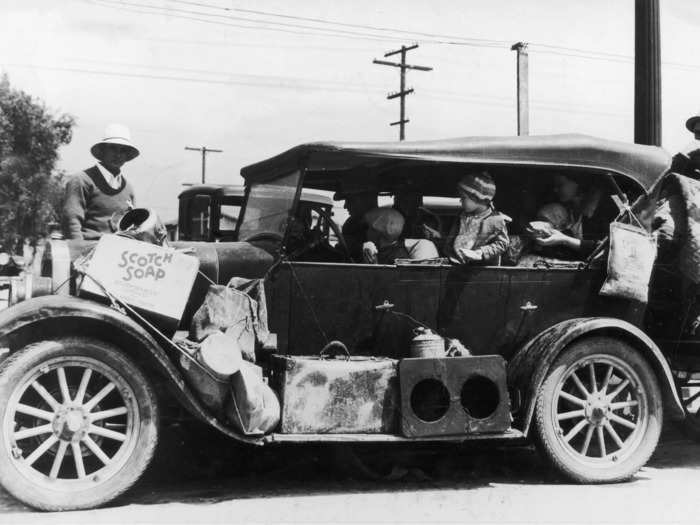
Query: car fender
55, 316
531, 364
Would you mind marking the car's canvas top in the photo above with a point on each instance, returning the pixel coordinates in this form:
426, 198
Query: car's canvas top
645, 164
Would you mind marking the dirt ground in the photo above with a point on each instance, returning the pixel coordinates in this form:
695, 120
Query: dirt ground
200, 478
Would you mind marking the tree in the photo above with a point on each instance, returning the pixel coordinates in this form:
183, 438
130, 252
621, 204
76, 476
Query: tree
31, 188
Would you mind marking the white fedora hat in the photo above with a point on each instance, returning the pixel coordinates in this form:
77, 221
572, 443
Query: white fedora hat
115, 134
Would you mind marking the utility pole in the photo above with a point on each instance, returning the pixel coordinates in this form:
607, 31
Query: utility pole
402, 91
522, 88
647, 73
204, 151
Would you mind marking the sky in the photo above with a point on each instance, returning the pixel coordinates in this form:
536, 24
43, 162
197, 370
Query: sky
254, 78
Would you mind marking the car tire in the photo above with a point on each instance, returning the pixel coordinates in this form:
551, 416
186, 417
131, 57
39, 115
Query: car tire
79, 423
598, 414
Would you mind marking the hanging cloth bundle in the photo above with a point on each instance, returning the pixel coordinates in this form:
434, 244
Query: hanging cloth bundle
630, 259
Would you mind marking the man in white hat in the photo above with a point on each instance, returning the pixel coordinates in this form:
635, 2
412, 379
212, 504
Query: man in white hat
93, 196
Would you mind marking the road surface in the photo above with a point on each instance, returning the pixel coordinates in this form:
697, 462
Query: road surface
301, 484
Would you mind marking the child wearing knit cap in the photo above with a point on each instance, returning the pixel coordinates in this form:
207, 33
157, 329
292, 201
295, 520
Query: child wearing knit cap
479, 234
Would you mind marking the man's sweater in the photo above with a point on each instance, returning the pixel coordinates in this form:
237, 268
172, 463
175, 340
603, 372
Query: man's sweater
90, 203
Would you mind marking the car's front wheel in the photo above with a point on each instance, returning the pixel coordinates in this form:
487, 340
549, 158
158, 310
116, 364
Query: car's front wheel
79, 423
598, 414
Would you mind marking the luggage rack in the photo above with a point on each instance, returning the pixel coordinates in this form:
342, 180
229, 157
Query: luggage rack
510, 434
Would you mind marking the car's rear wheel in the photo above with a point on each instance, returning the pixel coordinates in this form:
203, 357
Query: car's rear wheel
598, 414
79, 423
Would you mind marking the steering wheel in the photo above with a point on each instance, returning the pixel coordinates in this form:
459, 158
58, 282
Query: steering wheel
345, 251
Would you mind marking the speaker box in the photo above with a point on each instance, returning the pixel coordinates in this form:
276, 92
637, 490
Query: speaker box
453, 396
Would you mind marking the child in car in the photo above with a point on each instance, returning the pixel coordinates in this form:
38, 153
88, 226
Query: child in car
479, 234
384, 242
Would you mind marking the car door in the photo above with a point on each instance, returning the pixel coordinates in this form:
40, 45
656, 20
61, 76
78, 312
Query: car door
339, 301
496, 310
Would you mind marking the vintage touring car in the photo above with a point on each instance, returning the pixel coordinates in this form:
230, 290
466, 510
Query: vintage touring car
82, 384
209, 212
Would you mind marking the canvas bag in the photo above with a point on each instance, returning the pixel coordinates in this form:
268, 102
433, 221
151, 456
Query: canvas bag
253, 407
630, 262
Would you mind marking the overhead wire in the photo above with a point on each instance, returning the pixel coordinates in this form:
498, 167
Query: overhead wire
326, 85
315, 86
121, 6
185, 13
250, 76
608, 57
267, 25
320, 31
341, 24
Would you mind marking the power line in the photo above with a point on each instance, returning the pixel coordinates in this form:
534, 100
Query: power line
313, 87
315, 31
624, 59
436, 94
579, 50
270, 78
179, 13
342, 24
319, 31
106, 3
272, 45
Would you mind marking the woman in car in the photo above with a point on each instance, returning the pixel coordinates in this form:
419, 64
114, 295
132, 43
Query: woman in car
576, 223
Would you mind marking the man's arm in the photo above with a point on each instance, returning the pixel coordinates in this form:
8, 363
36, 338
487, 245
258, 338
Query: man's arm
74, 208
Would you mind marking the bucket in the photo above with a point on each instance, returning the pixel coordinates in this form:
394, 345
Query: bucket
427, 343
212, 389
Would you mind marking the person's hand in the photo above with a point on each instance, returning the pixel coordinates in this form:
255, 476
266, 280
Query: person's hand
369, 252
557, 238
430, 233
469, 255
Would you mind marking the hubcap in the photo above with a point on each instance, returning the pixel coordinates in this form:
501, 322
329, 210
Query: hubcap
600, 410
71, 421
71, 424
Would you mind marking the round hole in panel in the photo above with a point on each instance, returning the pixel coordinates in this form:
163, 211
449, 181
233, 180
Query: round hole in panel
480, 397
430, 400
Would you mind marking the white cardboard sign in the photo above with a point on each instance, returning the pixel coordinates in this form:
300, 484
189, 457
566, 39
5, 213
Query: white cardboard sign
143, 275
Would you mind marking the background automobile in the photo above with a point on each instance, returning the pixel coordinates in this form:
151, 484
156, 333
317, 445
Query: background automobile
209, 212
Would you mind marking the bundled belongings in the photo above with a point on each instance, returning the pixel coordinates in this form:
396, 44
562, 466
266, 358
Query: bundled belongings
630, 262
238, 309
224, 334
227, 384
253, 407
686, 222
211, 383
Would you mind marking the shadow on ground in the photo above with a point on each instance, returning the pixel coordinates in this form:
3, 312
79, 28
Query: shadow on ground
220, 470
199, 465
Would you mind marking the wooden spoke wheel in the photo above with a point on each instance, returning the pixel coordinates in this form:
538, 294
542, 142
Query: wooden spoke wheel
598, 415
79, 424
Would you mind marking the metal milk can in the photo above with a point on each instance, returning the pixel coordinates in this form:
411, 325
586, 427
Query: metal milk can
427, 343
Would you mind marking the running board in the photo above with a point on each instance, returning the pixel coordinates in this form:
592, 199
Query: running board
510, 434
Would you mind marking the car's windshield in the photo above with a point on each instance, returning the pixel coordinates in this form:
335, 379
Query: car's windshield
268, 207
